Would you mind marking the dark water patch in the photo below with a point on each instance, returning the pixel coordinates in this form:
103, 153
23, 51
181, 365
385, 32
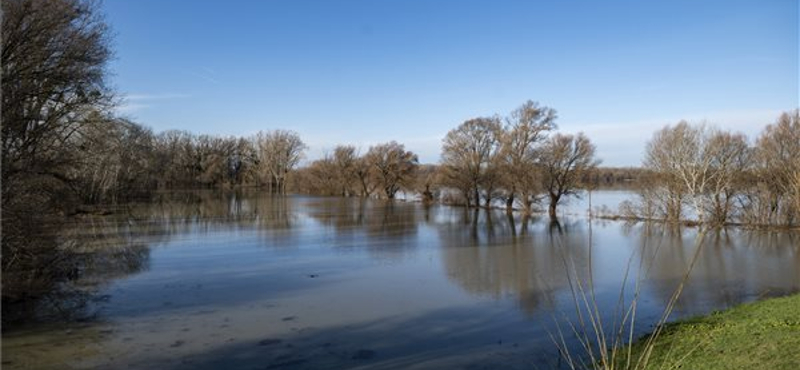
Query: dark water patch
269, 342
363, 354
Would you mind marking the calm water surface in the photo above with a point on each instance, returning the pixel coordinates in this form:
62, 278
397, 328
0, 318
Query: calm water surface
207, 280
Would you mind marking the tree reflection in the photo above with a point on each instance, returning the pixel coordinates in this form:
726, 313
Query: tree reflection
385, 229
734, 265
494, 258
95, 251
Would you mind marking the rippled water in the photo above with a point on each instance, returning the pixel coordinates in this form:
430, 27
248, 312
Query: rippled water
209, 280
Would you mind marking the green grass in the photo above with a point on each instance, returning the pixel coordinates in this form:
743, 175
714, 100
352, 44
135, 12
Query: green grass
759, 335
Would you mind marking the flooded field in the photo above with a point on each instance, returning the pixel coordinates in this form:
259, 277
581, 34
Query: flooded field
211, 280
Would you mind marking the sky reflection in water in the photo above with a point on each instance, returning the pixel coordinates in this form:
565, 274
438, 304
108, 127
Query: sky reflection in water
206, 280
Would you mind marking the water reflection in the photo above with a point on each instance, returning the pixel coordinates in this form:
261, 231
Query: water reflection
733, 265
500, 256
218, 211
200, 278
387, 230
97, 250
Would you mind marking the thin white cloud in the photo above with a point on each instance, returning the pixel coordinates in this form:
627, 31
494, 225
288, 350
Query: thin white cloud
128, 108
159, 96
749, 122
131, 103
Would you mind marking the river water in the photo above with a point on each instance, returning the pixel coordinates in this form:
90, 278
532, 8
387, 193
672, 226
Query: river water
248, 281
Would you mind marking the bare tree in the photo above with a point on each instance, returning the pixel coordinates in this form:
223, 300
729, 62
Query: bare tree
525, 131
277, 152
53, 60
467, 155
680, 155
241, 162
175, 159
394, 167
427, 182
212, 159
115, 163
730, 157
54, 56
345, 162
565, 158
365, 174
318, 178
777, 168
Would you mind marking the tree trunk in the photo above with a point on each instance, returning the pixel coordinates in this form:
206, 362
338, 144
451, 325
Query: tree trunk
553, 205
527, 207
510, 203
512, 225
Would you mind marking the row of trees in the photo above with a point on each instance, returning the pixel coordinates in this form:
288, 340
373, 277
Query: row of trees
720, 177
515, 160
184, 160
113, 160
383, 171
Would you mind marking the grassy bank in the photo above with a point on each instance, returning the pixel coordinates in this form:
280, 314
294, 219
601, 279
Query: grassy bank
759, 335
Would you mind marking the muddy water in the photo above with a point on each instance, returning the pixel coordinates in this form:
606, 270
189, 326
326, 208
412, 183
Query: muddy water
204, 280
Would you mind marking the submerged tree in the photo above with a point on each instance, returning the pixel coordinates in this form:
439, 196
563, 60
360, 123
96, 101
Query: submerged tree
468, 154
722, 177
730, 159
394, 167
774, 196
672, 155
277, 153
565, 159
525, 131
345, 163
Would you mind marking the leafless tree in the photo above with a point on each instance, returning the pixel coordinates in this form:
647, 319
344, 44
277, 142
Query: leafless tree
115, 162
730, 157
174, 159
212, 159
707, 167
241, 162
319, 177
394, 167
365, 175
277, 152
773, 196
345, 163
525, 131
467, 156
53, 60
680, 155
54, 67
564, 159
427, 183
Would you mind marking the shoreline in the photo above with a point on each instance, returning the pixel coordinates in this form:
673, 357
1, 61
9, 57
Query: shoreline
763, 334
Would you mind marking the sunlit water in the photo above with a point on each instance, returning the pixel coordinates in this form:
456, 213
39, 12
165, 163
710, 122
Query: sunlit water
252, 282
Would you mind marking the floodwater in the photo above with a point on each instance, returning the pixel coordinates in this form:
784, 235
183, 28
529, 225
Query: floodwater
211, 280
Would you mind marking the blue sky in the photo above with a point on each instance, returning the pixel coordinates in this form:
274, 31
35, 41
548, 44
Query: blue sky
365, 72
